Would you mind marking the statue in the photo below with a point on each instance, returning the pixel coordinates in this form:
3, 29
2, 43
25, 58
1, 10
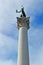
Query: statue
21, 11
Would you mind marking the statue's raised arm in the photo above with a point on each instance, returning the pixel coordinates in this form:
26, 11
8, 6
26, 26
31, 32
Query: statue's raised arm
22, 12
18, 11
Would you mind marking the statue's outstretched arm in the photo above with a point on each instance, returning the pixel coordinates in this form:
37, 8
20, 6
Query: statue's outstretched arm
18, 11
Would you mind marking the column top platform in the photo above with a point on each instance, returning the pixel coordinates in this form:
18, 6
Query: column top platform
23, 22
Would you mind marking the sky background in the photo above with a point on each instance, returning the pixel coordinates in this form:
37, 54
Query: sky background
9, 31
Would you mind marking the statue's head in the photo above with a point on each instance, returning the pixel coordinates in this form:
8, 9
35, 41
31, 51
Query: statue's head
22, 7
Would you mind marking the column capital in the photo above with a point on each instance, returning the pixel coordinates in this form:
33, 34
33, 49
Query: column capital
23, 22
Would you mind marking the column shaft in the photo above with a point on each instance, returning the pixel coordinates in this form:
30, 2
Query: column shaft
23, 56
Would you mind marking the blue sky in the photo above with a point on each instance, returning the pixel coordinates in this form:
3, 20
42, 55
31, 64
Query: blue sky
9, 31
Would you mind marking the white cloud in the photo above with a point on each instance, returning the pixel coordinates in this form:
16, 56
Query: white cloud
7, 62
8, 47
38, 59
35, 34
36, 46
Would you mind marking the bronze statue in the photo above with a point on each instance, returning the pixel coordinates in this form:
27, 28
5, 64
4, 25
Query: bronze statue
22, 11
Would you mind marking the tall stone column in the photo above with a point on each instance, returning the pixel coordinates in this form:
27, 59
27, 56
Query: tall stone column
23, 54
